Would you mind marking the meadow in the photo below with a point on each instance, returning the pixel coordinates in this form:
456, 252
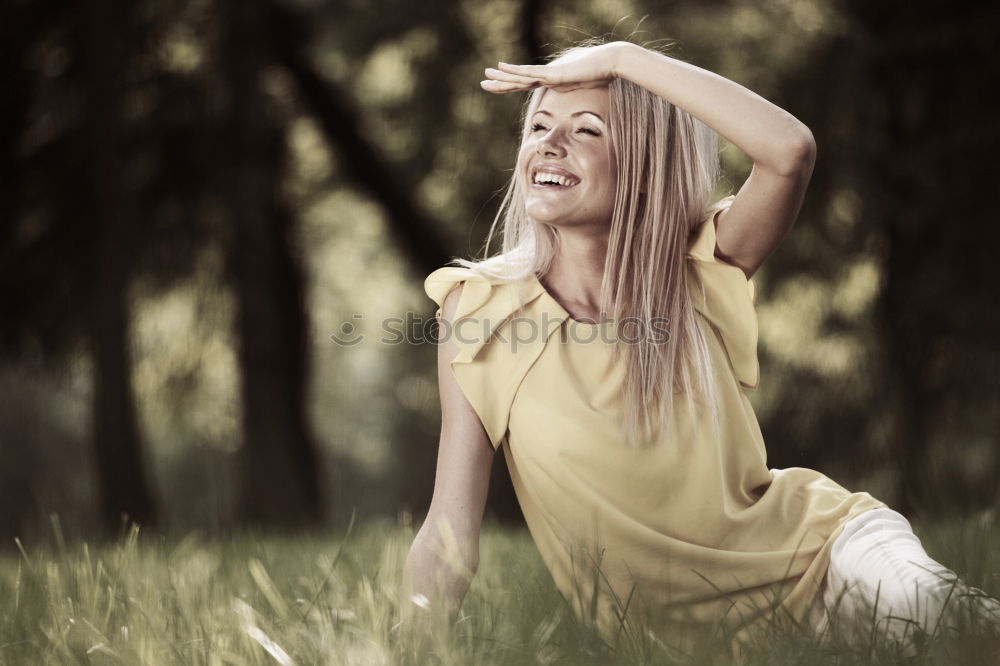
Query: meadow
332, 599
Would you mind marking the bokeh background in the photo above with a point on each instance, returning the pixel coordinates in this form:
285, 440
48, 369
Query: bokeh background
195, 195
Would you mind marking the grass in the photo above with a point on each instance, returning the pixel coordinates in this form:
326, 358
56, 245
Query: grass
257, 599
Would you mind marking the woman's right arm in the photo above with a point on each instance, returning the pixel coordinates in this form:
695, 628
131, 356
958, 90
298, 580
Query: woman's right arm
445, 552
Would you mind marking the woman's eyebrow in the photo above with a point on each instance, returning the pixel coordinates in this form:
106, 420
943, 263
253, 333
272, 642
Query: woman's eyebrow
573, 115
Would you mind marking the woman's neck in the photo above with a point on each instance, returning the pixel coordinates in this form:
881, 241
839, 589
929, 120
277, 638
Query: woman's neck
575, 274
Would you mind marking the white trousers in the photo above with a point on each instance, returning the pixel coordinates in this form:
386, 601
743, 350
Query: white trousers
880, 575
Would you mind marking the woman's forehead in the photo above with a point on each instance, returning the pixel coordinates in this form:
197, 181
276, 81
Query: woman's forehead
594, 100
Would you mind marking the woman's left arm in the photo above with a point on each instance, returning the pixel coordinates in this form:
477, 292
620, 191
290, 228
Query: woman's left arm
782, 148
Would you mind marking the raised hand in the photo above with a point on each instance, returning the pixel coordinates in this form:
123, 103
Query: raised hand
587, 69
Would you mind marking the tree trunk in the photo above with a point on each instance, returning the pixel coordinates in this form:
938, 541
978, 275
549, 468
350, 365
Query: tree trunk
937, 305
279, 466
122, 487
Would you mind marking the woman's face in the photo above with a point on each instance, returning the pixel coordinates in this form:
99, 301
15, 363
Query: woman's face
566, 164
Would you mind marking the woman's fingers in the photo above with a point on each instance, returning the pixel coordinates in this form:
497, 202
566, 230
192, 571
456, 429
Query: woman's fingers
506, 86
554, 75
497, 75
506, 82
544, 73
525, 70
517, 78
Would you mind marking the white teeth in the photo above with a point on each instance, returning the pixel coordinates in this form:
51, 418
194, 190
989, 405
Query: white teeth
543, 178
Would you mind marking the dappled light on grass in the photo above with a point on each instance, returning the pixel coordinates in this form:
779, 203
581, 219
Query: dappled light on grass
256, 599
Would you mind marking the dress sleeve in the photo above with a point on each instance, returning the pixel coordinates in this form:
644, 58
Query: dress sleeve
723, 294
481, 373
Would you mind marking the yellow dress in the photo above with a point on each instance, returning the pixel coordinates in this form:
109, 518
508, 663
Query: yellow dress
696, 527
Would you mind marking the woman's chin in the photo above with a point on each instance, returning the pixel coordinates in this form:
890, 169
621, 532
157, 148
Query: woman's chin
563, 219
549, 215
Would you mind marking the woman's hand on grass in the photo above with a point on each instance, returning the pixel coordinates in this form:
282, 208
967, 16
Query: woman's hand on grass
413, 632
591, 68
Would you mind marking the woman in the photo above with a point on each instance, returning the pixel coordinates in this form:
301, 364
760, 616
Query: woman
631, 443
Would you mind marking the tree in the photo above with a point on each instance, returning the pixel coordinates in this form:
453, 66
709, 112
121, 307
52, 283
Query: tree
117, 447
280, 472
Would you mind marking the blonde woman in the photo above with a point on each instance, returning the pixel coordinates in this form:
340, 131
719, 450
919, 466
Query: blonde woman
609, 349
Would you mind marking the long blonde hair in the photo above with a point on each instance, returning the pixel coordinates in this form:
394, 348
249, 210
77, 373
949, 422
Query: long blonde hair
668, 167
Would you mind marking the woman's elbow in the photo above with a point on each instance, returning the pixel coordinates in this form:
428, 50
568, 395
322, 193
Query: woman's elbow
799, 153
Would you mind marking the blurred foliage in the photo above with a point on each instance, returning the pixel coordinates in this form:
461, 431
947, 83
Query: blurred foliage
832, 396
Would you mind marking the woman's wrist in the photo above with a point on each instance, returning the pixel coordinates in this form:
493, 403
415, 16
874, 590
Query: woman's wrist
627, 56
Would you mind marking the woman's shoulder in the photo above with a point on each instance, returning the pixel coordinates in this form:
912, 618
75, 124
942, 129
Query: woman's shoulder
701, 244
489, 361
722, 293
482, 278
439, 283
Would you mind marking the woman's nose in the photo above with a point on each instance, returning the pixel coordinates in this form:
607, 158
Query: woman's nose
552, 145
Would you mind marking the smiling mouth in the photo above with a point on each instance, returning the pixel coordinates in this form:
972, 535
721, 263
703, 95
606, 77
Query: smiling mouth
554, 178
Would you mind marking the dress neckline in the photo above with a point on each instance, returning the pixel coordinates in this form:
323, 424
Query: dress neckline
563, 311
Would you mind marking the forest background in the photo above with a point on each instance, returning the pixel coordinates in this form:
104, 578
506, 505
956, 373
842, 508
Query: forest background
197, 195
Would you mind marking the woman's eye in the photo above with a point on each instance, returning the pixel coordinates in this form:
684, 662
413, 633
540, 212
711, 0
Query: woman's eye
536, 127
588, 130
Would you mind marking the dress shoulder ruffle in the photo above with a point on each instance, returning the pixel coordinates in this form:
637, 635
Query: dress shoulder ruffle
724, 295
497, 342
